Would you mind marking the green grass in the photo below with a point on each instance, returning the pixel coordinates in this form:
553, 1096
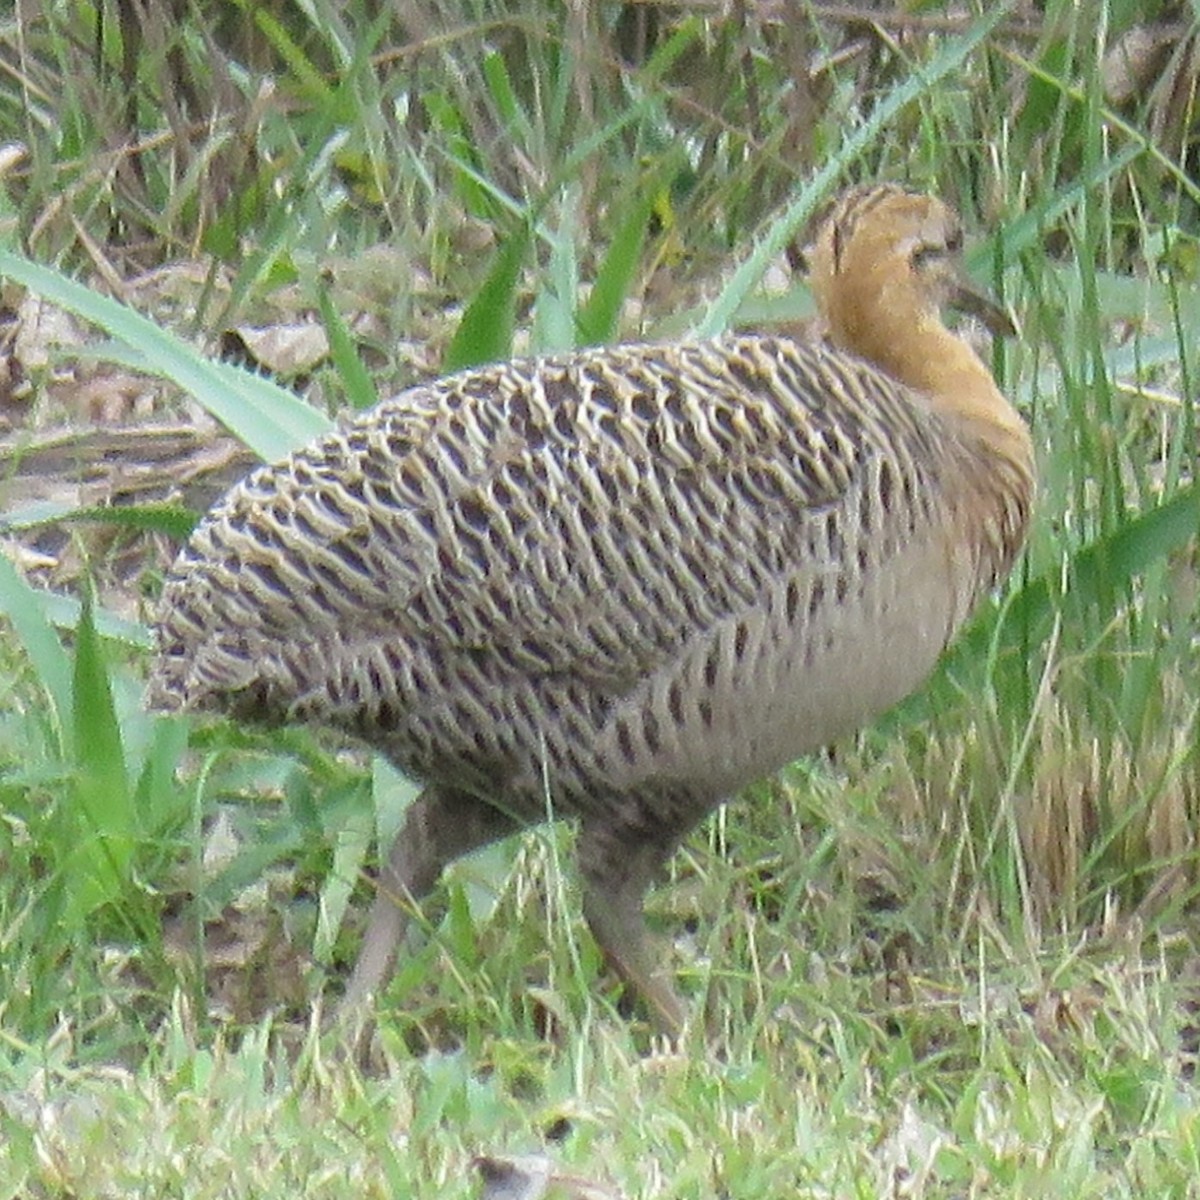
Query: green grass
955, 958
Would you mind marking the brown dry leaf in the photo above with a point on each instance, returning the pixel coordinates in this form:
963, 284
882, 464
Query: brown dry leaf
1135, 59
374, 278
107, 395
286, 350
14, 394
44, 355
139, 464
12, 154
174, 289
222, 844
26, 559
534, 1177
59, 470
907, 1156
1068, 1012
43, 328
253, 967
252, 964
1160, 63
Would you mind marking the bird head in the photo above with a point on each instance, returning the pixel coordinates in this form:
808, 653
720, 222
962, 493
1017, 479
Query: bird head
884, 259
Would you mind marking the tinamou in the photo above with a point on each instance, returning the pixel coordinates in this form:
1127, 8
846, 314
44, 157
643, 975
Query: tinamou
619, 584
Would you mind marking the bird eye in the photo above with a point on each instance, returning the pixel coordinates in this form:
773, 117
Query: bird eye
924, 256
954, 241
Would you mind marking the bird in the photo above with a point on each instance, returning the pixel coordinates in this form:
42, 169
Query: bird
619, 584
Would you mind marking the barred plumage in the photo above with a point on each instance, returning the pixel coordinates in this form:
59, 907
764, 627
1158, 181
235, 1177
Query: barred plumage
638, 577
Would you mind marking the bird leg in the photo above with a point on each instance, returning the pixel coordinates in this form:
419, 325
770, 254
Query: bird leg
440, 826
617, 866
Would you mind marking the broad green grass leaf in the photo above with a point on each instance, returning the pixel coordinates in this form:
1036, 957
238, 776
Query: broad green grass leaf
447, 119
459, 930
351, 845
392, 792
159, 800
356, 379
600, 314
303, 69
554, 306
25, 610
97, 868
63, 613
1043, 95
485, 333
269, 419
516, 120
174, 520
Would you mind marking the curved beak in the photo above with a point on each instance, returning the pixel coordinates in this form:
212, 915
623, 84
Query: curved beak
968, 298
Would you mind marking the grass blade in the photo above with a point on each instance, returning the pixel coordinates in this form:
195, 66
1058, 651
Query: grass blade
356, 379
98, 864
599, 316
554, 306
485, 332
269, 419
23, 607
174, 520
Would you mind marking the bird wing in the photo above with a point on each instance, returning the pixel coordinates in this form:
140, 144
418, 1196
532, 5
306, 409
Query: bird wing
585, 515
